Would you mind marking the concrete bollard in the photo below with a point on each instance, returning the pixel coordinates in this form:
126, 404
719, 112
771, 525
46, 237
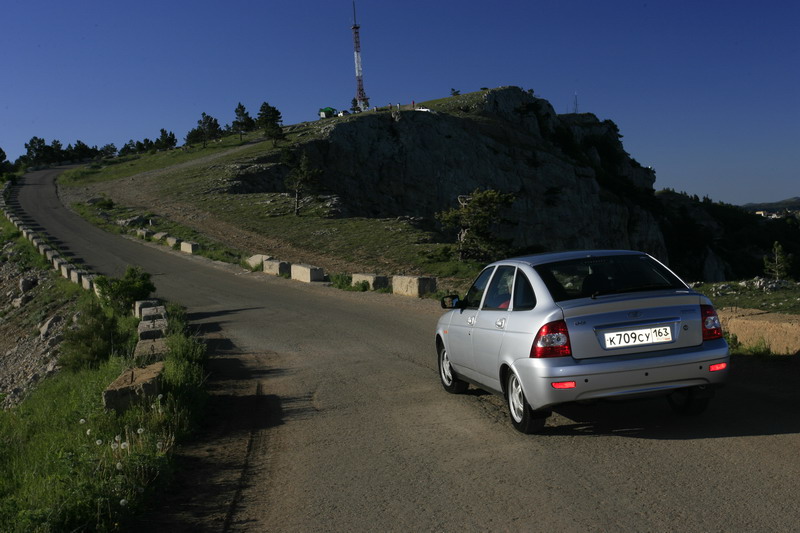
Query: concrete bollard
151, 349
76, 276
172, 241
135, 384
158, 312
277, 268
374, 281
307, 273
160, 236
152, 329
256, 262
57, 261
143, 233
413, 285
189, 247
140, 305
87, 282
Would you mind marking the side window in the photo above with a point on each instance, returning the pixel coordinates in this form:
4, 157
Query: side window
498, 295
475, 293
524, 297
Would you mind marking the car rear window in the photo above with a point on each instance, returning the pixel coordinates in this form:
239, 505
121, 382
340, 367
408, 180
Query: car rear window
590, 277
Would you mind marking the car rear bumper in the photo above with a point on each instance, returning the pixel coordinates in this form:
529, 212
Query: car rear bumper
624, 376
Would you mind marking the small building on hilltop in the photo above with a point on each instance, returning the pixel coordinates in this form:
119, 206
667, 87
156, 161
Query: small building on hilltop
327, 112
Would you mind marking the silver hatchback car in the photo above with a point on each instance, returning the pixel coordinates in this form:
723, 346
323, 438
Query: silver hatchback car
553, 328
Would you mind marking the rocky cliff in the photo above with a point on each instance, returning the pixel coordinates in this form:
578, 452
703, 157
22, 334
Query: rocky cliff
575, 185
566, 171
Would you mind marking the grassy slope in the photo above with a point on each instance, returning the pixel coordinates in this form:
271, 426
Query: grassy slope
387, 246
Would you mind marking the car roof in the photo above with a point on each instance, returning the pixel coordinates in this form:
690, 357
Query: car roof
554, 257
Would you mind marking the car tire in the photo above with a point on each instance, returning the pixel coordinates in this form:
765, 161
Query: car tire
688, 402
523, 418
448, 377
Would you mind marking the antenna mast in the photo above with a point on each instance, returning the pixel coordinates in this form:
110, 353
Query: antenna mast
361, 96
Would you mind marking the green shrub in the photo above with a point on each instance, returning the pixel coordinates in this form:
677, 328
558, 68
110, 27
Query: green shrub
121, 293
92, 341
178, 323
341, 281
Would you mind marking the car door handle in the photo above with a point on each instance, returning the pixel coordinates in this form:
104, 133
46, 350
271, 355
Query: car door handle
471, 321
501, 323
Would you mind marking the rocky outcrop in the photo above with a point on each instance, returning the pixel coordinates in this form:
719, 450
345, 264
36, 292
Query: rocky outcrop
566, 171
27, 354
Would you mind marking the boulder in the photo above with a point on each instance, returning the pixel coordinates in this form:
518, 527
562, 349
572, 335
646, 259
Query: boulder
27, 283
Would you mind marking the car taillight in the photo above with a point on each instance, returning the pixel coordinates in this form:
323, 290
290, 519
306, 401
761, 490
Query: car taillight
552, 341
712, 328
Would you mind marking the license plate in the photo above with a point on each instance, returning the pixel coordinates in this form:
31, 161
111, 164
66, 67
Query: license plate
638, 337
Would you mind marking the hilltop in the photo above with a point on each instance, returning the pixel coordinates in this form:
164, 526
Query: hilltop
790, 204
385, 174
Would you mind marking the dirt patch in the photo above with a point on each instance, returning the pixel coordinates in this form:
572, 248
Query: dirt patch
752, 327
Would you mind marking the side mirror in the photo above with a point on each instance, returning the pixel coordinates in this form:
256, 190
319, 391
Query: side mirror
451, 302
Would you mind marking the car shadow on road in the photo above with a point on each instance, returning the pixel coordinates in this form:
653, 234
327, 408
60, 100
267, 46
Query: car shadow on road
762, 397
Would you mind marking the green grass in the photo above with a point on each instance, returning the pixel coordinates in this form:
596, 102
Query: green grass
746, 294
122, 167
386, 246
105, 218
68, 464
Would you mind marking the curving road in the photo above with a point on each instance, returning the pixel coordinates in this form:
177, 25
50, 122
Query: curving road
327, 415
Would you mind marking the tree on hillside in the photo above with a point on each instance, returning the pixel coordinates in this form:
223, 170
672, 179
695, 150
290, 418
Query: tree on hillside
354, 106
301, 180
243, 122
166, 140
777, 263
207, 130
4, 165
37, 151
108, 150
270, 120
475, 218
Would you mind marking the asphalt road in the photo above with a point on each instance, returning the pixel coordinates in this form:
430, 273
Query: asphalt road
327, 415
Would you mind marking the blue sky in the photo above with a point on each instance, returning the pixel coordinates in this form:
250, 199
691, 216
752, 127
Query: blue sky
706, 92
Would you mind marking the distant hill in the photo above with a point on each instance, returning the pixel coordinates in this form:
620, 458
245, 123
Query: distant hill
790, 204
574, 184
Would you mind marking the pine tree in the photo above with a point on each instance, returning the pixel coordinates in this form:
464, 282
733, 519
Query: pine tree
777, 263
207, 128
302, 179
270, 120
243, 122
474, 218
